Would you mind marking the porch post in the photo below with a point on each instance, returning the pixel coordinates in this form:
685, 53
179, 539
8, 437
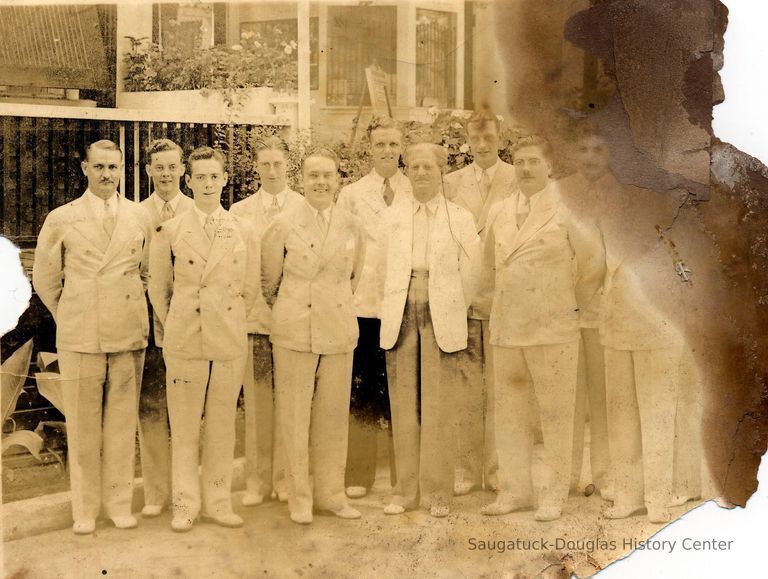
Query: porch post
302, 9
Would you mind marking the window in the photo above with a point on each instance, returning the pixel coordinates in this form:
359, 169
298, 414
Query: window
359, 36
290, 30
184, 27
435, 58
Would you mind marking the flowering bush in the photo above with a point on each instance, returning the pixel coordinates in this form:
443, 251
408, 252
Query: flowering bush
257, 60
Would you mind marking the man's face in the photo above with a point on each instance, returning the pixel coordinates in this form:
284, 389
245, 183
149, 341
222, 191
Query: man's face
593, 157
102, 168
207, 179
532, 170
321, 180
484, 144
271, 165
165, 169
424, 173
386, 147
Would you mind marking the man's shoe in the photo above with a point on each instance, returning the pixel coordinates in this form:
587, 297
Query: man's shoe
251, 499
182, 524
282, 495
356, 492
150, 511
439, 511
502, 507
84, 527
347, 512
680, 500
229, 520
622, 512
547, 513
464, 488
606, 493
125, 522
302, 517
393, 509
659, 516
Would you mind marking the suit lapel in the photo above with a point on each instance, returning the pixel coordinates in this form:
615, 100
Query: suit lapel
194, 236
88, 225
306, 229
223, 240
438, 235
502, 181
540, 215
124, 230
334, 237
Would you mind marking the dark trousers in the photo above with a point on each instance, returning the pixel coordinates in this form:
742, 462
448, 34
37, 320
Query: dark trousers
369, 406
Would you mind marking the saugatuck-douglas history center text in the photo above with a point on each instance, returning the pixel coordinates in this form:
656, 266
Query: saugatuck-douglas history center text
597, 544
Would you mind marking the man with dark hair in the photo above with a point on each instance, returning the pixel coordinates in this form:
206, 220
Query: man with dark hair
312, 257
202, 285
533, 244
263, 452
369, 199
90, 272
477, 187
165, 167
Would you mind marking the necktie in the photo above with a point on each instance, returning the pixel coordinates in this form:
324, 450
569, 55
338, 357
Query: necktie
109, 219
322, 223
523, 209
389, 194
485, 184
421, 238
273, 209
167, 212
210, 227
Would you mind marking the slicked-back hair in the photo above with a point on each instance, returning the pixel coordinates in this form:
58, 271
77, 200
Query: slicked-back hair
534, 141
160, 146
383, 122
439, 153
479, 119
324, 152
204, 153
272, 143
104, 145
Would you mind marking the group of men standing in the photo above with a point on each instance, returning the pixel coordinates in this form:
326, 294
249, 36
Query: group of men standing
469, 309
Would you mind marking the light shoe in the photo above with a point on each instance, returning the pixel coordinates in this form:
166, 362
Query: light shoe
125, 522
229, 520
84, 527
547, 513
606, 493
659, 516
356, 492
282, 495
439, 511
150, 511
680, 500
464, 488
181, 524
393, 509
302, 517
251, 499
622, 512
347, 512
502, 507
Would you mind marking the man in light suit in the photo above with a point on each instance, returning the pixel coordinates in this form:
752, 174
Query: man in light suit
369, 198
431, 269
89, 271
477, 187
165, 167
202, 286
534, 325
312, 260
263, 452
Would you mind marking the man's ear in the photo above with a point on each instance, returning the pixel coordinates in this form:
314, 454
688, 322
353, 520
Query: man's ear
147, 168
84, 166
186, 180
226, 179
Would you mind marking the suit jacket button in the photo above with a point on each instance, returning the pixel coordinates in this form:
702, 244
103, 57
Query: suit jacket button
197, 310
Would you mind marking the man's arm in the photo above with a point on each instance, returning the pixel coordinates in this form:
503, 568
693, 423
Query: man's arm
469, 256
160, 286
252, 282
147, 230
48, 267
272, 258
587, 243
360, 249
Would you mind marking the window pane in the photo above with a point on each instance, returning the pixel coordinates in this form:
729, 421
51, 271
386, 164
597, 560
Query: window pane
435, 58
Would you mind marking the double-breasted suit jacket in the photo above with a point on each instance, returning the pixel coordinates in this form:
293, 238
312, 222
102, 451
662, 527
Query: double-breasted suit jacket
364, 199
462, 188
92, 284
150, 206
454, 257
252, 211
544, 271
202, 291
310, 281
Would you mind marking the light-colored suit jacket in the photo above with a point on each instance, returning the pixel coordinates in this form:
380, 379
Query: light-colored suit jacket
93, 284
364, 199
454, 262
544, 272
252, 210
202, 290
149, 204
462, 188
311, 280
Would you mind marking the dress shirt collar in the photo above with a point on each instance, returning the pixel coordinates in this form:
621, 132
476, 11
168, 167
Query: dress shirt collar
202, 217
431, 204
159, 203
326, 212
532, 200
490, 170
379, 180
97, 203
266, 198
